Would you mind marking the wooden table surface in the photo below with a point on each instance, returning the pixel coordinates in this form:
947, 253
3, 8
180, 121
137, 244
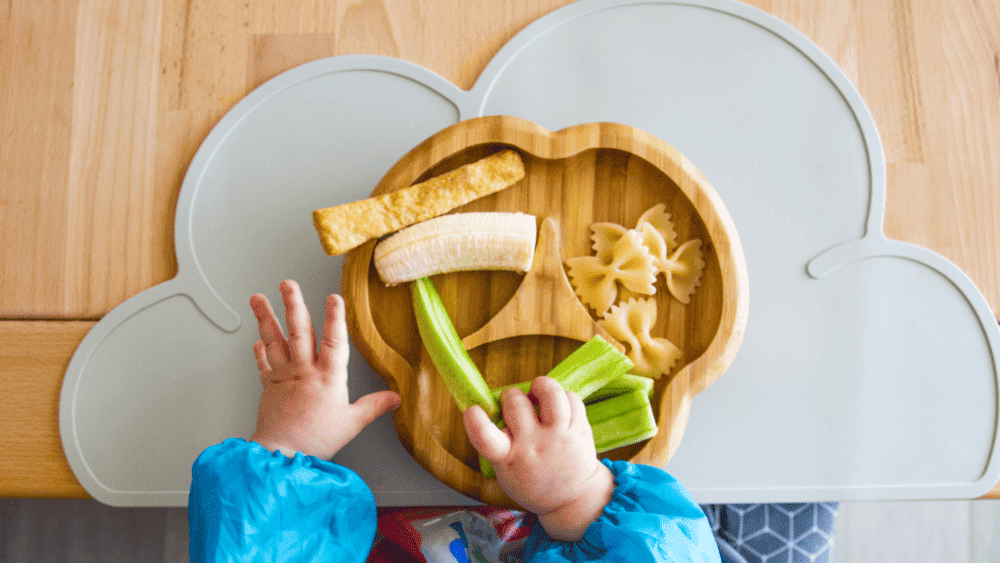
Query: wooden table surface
103, 104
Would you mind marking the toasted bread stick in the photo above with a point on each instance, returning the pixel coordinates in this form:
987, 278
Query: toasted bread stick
347, 226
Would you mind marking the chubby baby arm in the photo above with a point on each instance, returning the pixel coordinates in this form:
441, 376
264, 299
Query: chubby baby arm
546, 462
248, 498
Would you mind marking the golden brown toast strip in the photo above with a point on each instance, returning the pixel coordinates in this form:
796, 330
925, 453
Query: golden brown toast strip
346, 226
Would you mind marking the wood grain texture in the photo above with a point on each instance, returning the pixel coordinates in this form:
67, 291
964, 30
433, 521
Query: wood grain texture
574, 177
36, 109
83, 181
560, 313
33, 359
103, 103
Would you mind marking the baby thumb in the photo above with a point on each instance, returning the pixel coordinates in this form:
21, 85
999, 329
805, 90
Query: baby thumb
374, 405
489, 440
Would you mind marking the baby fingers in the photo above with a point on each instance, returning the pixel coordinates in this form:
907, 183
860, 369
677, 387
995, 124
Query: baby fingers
301, 339
553, 404
273, 339
578, 411
488, 440
518, 413
260, 354
334, 349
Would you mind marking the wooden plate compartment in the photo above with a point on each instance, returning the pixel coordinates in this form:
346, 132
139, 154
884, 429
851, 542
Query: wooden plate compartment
579, 175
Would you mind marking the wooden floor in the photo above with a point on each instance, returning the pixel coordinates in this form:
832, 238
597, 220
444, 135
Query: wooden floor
57, 531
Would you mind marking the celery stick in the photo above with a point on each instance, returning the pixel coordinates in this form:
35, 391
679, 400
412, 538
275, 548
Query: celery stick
621, 421
486, 467
624, 384
497, 392
445, 348
590, 367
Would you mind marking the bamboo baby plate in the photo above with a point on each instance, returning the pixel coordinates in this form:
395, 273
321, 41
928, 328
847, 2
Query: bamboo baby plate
518, 326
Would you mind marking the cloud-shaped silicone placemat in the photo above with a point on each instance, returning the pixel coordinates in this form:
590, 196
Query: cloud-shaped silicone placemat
874, 377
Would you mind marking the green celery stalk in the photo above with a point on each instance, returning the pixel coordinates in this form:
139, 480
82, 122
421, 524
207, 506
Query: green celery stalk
486, 467
589, 368
621, 421
497, 392
445, 348
624, 384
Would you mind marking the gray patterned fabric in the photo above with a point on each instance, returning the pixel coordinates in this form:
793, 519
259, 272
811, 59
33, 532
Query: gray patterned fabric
774, 533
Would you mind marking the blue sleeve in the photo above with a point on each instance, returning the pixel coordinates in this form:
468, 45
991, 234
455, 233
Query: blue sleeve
651, 518
249, 504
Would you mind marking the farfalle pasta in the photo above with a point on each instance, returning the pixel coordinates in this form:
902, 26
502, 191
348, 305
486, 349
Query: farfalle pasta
683, 270
654, 243
659, 219
624, 268
596, 281
605, 237
630, 322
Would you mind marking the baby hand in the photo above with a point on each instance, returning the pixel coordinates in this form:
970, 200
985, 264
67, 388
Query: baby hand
304, 406
547, 462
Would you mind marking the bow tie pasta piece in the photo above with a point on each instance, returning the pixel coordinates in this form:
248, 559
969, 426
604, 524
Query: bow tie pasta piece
630, 322
628, 257
605, 237
593, 281
660, 220
625, 294
652, 239
631, 265
683, 270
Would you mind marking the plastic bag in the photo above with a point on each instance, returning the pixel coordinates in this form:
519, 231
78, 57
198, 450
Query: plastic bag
451, 535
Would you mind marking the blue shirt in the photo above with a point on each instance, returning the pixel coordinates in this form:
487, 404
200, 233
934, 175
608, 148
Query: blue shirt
248, 504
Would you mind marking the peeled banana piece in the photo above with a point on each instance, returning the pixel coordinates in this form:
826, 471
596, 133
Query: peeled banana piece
457, 242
